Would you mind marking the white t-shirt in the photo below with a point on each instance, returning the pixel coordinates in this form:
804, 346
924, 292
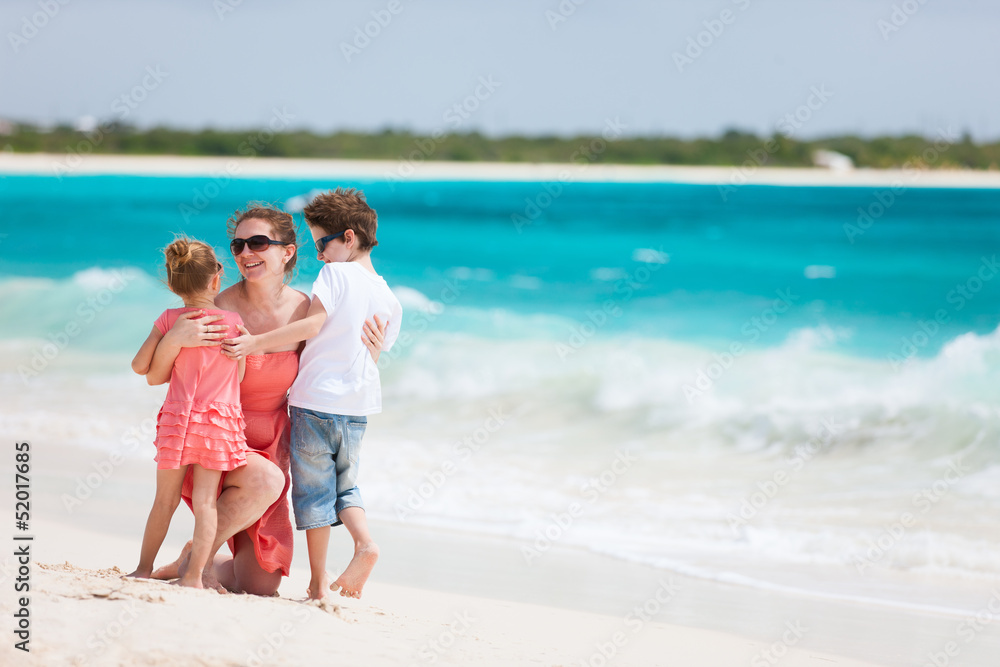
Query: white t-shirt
336, 371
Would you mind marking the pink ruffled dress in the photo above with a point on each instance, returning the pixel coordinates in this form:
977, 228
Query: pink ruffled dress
201, 420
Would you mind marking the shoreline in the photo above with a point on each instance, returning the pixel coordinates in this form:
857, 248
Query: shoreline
438, 570
47, 164
93, 616
425, 574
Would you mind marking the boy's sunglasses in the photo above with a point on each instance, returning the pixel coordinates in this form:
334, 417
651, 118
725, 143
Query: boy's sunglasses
258, 243
321, 243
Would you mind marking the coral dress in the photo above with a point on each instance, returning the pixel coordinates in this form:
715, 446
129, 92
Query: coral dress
201, 420
264, 395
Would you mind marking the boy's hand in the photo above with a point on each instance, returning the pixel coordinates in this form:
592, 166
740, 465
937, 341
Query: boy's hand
194, 329
241, 346
373, 335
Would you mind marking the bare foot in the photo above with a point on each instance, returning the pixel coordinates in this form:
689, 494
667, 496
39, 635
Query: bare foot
190, 582
317, 589
139, 574
175, 569
354, 577
209, 580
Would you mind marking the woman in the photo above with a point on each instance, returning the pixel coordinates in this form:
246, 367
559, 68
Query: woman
263, 243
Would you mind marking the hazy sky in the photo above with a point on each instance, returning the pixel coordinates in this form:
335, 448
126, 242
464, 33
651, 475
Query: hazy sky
230, 63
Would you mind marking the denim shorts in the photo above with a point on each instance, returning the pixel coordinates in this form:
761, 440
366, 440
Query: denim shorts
325, 450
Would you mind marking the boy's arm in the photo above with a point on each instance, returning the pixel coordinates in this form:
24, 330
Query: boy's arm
144, 357
304, 329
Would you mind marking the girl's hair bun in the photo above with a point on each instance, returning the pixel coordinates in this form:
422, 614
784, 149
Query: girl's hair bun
190, 266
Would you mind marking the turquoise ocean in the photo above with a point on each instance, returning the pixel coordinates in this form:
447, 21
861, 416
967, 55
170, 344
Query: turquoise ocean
738, 387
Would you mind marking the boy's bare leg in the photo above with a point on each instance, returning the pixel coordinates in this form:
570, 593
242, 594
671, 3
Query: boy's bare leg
318, 541
365, 553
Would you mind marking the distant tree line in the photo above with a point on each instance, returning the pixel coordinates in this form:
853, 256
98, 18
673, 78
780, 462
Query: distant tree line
734, 147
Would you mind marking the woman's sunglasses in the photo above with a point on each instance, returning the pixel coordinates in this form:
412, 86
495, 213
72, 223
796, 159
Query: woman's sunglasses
258, 243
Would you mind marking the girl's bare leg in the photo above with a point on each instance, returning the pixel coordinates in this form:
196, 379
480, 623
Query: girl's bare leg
168, 496
203, 503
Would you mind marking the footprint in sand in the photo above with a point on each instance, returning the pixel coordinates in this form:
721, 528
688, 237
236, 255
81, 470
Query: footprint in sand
329, 607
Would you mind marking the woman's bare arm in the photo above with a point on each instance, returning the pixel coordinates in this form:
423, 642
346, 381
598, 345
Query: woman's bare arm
373, 335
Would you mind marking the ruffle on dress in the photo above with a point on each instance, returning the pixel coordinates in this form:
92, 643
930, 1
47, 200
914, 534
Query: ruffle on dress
210, 435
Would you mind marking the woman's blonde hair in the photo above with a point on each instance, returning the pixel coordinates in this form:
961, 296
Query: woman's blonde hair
191, 265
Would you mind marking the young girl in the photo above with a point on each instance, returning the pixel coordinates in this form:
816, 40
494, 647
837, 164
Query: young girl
201, 422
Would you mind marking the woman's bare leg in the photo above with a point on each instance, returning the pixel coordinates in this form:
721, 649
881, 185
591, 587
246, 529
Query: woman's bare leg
172, 570
248, 575
247, 492
223, 566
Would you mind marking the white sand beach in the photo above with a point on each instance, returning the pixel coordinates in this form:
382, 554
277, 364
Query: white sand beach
406, 169
90, 615
94, 617
436, 597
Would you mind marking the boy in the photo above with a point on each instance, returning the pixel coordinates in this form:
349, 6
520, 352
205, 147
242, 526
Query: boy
338, 384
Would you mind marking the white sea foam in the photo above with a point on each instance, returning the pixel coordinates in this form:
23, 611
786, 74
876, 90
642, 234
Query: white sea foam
607, 274
411, 298
650, 256
298, 202
466, 273
812, 338
892, 439
814, 271
564, 418
525, 282
96, 278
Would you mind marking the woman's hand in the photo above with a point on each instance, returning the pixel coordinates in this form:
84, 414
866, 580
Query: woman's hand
191, 329
194, 329
373, 335
239, 347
